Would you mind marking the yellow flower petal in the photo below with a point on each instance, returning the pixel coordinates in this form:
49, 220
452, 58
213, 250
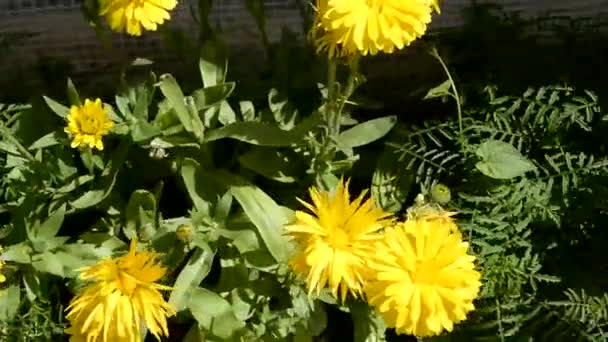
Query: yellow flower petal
335, 243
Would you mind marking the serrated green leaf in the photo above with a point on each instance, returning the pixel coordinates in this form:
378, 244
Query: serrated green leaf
439, 91
19, 253
57, 108
367, 132
500, 160
190, 276
51, 226
256, 133
49, 263
47, 140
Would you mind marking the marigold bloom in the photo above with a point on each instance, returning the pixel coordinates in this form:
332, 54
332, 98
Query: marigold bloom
122, 297
133, 15
370, 26
424, 279
336, 241
88, 123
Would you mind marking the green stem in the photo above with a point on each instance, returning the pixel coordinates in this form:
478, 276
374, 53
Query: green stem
333, 115
455, 95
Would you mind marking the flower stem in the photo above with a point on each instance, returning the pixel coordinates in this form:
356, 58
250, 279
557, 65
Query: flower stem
333, 114
454, 89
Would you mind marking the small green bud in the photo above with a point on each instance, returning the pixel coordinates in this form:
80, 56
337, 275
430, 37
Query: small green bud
185, 233
441, 194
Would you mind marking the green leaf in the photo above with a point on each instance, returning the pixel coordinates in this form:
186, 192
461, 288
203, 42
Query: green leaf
213, 313
47, 140
49, 263
10, 299
191, 275
439, 91
51, 226
367, 132
31, 283
175, 96
197, 185
264, 213
212, 96
247, 110
140, 214
142, 130
273, 164
19, 253
57, 108
256, 133
284, 113
500, 160
213, 63
369, 326
73, 96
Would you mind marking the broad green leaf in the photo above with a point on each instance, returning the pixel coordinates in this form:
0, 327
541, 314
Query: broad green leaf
49, 263
73, 96
142, 130
43, 245
247, 110
369, 326
439, 91
367, 132
175, 96
264, 213
19, 253
284, 113
57, 108
197, 185
256, 133
51, 226
213, 95
500, 160
273, 164
213, 63
213, 313
191, 275
48, 140
140, 214
94, 197
10, 299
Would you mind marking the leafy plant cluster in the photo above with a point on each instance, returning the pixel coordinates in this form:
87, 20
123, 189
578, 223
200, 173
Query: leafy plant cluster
524, 172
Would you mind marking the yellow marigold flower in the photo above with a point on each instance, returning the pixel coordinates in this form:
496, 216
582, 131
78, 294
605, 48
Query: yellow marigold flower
424, 279
370, 26
122, 297
336, 241
133, 15
88, 123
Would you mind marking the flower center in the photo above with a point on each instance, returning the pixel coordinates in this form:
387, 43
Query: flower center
426, 272
338, 238
126, 282
89, 124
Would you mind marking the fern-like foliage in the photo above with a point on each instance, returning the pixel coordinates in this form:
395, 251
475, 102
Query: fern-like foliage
513, 224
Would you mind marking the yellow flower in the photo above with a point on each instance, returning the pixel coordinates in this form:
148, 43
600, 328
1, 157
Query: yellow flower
2, 276
336, 241
424, 279
370, 26
121, 298
132, 15
87, 123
